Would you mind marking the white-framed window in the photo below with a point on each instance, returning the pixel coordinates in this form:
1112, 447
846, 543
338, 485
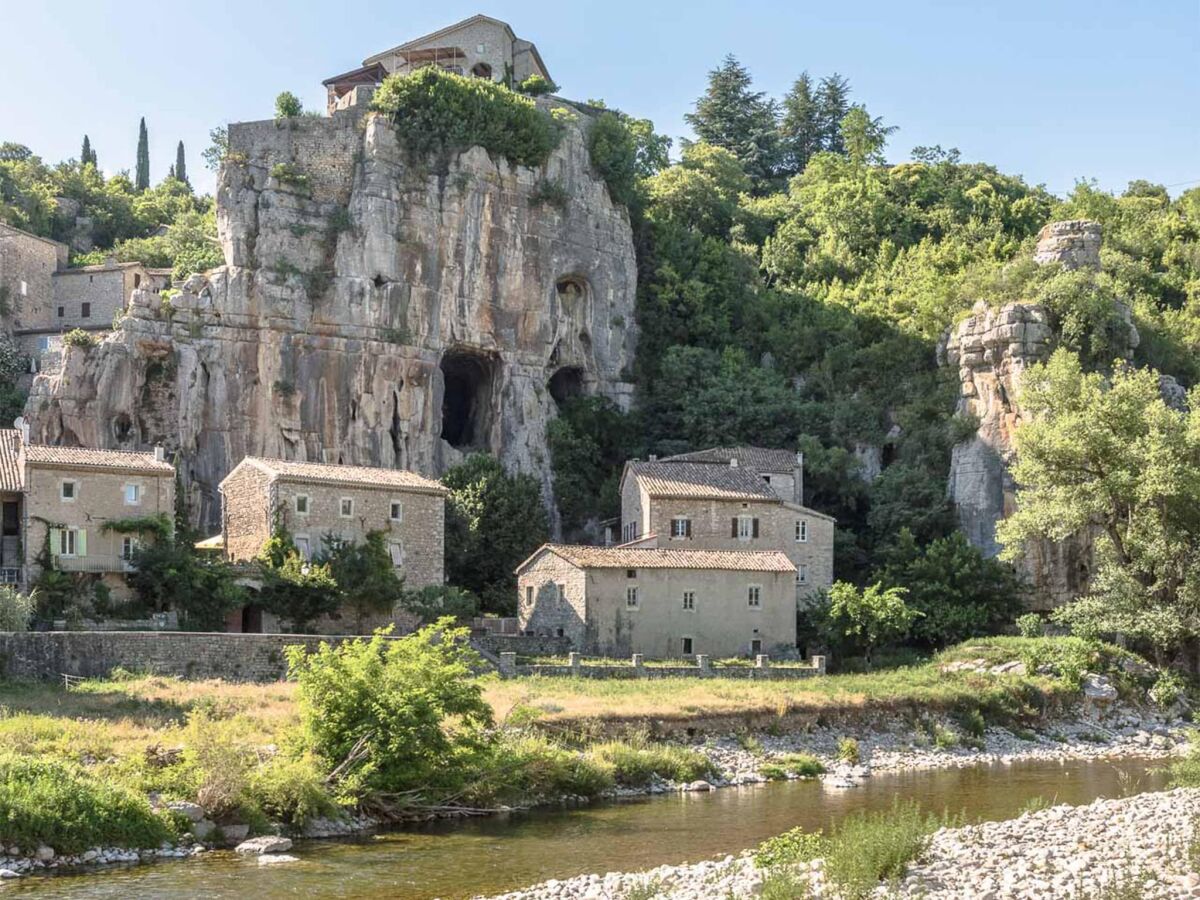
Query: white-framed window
129, 545
802, 573
745, 528
686, 645
396, 551
802, 531
681, 527
631, 598
302, 504
69, 543
627, 532
754, 596
133, 494
529, 596
346, 507
396, 513
303, 547
68, 490
689, 601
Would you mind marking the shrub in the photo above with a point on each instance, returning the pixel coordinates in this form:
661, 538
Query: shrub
287, 106
613, 150
636, 763
535, 86
550, 193
867, 847
435, 111
527, 767
398, 716
216, 765
16, 609
49, 801
803, 765
434, 601
1167, 690
286, 173
847, 750
789, 848
77, 337
291, 790
1029, 625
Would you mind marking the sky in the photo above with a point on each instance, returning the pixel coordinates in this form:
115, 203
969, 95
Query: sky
1054, 91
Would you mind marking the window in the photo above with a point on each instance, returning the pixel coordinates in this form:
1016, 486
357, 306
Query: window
529, 595
754, 596
631, 598
133, 494
561, 592
347, 507
689, 600
802, 574
302, 504
396, 551
681, 527
396, 514
137, 280
745, 528
85, 310
24, 289
755, 646
43, 344
68, 542
687, 646
68, 490
302, 547
631, 573
62, 311
128, 546
802, 531
767, 479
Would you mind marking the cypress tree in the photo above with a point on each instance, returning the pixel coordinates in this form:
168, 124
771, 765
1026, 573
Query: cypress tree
180, 164
87, 154
142, 179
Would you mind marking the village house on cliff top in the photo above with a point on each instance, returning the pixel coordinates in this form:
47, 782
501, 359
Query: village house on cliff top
729, 498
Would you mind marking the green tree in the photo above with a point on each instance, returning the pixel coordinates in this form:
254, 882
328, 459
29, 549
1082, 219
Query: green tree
493, 521
181, 164
288, 106
870, 617
87, 154
218, 147
833, 102
16, 609
170, 574
741, 120
800, 127
365, 575
142, 179
864, 137
299, 592
403, 721
1109, 456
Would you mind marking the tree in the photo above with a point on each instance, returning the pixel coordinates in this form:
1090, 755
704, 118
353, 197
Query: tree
16, 609
870, 617
741, 120
142, 179
288, 106
87, 154
833, 102
218, 147
863, 137
1110, 457
181, 164
800, 129
170, 574
365, 575
299, 592
493, 521
401, 721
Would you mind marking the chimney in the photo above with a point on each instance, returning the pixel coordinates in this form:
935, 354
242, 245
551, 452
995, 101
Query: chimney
160, 454
798, 478
653, 457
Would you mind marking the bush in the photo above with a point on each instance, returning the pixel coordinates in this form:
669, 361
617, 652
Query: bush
286, 173
287, 106
867, 848
535, 86
550, 193
77, 337
847, 751
291, 790
1168, 689
1030, 625
613, 150
216, 766
435, 601
789, 848
399, 716
636, 763
528, 767
435, 111
16, 609
52, 802
801, 765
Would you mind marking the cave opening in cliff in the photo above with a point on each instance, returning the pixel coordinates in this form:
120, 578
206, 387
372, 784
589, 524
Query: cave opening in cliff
566, 384
468, 377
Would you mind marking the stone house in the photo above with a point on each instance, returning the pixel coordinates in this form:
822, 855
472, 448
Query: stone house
479, 46
318, 502
72, 502
664, 603
729, 498
27, 267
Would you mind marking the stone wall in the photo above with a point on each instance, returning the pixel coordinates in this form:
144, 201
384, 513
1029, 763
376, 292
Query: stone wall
27, 267
94, 654
104, 289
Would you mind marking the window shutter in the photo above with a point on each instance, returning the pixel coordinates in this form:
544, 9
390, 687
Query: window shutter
734, 533
687, 527
55, 541
755, 534
81, 543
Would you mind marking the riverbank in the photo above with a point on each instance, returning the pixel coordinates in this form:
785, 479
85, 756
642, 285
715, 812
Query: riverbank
1145, 846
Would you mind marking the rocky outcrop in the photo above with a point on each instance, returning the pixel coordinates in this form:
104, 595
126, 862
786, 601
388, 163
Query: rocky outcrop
374, 309
991, 349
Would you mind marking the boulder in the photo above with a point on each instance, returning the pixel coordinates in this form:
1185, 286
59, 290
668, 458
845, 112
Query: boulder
43, 853
1098, 688
193, 811
273, 858
265, 844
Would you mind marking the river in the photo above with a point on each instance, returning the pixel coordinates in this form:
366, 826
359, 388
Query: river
455, 860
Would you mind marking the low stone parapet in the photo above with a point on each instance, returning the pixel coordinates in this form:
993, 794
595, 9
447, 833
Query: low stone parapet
579, 667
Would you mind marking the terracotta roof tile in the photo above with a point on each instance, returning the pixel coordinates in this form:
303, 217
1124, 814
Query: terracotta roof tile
637, 558
10, 467
85, 458
356, 476
761, 459
701, 481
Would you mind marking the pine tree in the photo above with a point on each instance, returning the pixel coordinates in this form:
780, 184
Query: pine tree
800, 130
87, 154
142, 178
741, 120
180, 164
833, 102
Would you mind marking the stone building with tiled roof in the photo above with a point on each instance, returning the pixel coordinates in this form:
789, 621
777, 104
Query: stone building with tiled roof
729, 498
318, 502
663, 603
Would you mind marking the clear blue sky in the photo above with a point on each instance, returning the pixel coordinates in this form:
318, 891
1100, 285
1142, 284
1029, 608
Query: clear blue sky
1051, 90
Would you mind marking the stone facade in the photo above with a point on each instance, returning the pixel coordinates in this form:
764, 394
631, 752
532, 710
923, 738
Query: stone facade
27, 267
378, 313
91, 296
677, 609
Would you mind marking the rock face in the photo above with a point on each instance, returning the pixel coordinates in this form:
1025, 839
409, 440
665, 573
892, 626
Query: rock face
991, 350
374, 309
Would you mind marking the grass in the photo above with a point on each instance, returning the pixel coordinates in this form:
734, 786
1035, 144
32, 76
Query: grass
800, 765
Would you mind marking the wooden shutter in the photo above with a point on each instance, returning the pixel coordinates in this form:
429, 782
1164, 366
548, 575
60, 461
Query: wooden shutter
81, 543
755, 532
733, 532
687, 527
55, 541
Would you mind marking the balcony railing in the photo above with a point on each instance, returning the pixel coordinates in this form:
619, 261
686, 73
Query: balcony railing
92, 564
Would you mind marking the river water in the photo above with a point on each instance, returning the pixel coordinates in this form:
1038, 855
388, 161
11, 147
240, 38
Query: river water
482, 856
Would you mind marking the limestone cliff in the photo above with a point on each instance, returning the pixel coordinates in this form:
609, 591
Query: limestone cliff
991, 350
373, 309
